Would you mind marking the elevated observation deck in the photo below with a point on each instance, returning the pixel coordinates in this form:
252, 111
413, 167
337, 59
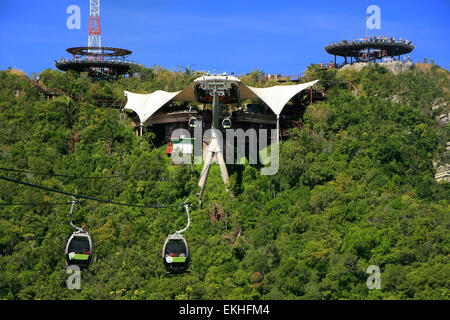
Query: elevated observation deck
104, 62
371, 49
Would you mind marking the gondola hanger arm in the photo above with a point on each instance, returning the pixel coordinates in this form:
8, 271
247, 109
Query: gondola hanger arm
73, 203
180, 232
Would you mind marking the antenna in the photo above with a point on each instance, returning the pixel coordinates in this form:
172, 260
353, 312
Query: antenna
367, 21
95, 35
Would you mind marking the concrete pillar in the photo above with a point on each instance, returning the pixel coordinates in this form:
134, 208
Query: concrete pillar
278, 129
215, 111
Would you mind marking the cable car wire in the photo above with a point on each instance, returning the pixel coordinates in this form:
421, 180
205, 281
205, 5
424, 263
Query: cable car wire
78, 196
68, 176
62, 175
74, 195
32, 204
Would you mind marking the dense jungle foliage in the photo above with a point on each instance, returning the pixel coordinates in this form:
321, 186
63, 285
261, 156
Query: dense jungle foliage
355, 188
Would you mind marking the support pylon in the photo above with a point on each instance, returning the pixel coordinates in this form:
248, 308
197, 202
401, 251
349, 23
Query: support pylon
214, 149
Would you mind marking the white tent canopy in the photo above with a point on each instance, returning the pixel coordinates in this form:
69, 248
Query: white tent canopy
277, 97
146, 105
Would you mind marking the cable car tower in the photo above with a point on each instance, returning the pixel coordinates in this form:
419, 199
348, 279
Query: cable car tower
217, 90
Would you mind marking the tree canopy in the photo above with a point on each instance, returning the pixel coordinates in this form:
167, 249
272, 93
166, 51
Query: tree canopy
355, 188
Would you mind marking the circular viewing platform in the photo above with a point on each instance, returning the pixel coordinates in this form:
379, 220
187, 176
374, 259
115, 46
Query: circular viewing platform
365, 50
99, 52
101, 62
115, 67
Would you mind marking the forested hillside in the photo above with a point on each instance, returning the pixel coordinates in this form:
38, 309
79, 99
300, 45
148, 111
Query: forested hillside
355, 188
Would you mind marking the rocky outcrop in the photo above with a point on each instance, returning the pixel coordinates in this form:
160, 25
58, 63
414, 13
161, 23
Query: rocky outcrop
442, 166
395, 67
443, 118
443, 169
443, 173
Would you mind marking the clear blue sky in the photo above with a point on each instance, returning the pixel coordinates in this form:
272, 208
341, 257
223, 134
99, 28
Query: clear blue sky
276, 36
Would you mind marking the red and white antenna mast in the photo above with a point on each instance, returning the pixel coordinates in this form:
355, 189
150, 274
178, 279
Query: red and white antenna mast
95, 35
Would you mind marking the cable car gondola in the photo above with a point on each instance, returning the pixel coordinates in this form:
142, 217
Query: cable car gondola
79, 248
193, 122
169, 149
175, 253
226, 124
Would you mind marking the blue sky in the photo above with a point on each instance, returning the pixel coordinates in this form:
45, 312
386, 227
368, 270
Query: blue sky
283, 36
